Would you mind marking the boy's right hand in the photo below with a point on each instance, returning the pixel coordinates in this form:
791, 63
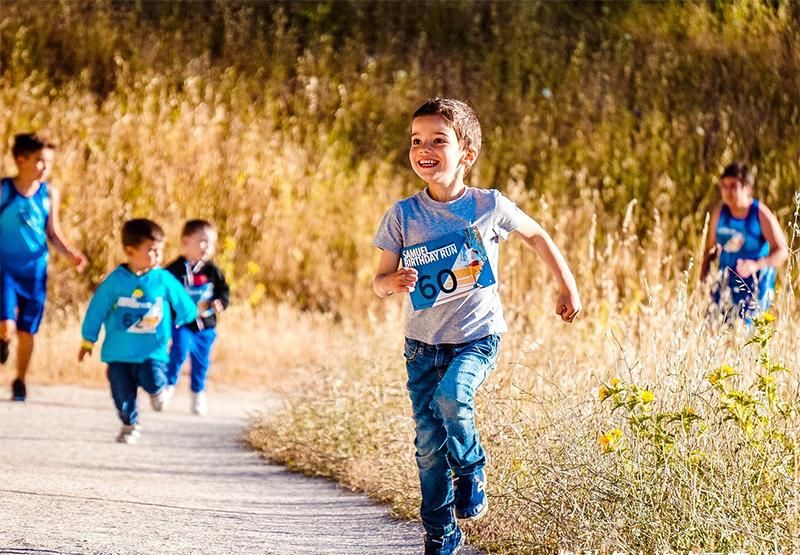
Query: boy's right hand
568, 305
401, 281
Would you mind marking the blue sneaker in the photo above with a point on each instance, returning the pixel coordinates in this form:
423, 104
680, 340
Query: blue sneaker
470, 496
444, 545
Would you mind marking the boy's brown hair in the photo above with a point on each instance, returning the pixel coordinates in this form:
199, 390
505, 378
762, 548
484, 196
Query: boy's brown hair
137, 231
193, 226
26, 144
740, 171
459, 115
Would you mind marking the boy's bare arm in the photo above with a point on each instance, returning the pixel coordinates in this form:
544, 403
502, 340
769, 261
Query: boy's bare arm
568, 304
778, 246
57, 237
389, 279
710, 250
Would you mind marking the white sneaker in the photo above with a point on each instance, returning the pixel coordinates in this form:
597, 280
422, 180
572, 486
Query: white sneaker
157, 399
166, 395
129, 433
199, 403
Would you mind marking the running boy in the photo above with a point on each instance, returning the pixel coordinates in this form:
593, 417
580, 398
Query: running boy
453, 335
135, 304
750, 244
206, 285
28, 219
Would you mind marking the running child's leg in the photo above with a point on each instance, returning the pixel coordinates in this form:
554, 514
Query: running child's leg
28, 318
454, 402
436, 510
181, 343
151, 376
7, 328
8, 315
122, 378
200, 354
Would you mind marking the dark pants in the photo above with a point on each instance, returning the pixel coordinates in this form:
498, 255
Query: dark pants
127, 377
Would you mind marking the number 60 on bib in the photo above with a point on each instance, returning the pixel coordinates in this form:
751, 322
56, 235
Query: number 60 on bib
448, 267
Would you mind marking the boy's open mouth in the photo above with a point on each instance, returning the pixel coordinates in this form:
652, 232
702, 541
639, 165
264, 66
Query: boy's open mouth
427, 163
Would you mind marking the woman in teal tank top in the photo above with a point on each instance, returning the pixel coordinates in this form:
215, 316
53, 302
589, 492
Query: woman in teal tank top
748, 241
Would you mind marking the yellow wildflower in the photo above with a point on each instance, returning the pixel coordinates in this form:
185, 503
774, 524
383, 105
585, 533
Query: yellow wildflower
767, 379
646, 396
610, 440
615, 382
768, 317
721, 373
725, 371
603, 393
257, 294
228, 244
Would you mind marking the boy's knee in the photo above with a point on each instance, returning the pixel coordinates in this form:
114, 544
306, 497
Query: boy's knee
7, 329
428, 456
450, 405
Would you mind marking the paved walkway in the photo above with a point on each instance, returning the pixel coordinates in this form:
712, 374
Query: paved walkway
188, 486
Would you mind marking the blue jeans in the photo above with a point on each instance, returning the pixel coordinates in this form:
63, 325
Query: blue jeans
442, 380
126, 378
197, 345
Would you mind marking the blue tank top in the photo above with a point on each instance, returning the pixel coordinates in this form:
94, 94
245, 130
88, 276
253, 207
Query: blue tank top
23, 230
743, 239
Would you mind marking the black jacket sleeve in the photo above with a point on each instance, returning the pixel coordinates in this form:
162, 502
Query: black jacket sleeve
222, 290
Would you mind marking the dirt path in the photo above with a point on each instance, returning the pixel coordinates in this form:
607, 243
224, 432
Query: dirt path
188, 486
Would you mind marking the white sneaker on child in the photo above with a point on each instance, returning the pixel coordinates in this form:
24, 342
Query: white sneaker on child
199, 403
166, 395
157, 399
129, 433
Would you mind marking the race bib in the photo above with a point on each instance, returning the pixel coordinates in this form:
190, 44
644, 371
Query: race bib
449, 268
138, 315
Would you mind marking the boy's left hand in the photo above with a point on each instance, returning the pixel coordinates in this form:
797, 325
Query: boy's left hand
568, 305
217, 306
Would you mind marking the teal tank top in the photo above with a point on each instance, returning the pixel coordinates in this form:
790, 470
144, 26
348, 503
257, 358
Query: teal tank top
23, 230
743, 239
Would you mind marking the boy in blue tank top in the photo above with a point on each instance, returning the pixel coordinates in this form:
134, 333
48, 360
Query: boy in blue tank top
135, 304
29, 217
748, 241
441, 246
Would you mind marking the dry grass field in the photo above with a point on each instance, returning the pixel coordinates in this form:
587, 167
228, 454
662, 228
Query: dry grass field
639, 427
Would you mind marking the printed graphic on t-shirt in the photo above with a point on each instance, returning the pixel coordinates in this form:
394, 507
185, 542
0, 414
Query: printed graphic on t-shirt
449, 268
201, 290
734, 241
139, 315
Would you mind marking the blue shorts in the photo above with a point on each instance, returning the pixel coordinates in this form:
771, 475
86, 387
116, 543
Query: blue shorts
22, 300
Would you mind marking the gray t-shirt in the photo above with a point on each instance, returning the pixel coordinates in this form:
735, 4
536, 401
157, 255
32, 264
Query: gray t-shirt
418, 219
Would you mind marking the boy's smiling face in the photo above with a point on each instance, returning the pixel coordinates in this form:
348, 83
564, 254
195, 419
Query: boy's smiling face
435, 154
